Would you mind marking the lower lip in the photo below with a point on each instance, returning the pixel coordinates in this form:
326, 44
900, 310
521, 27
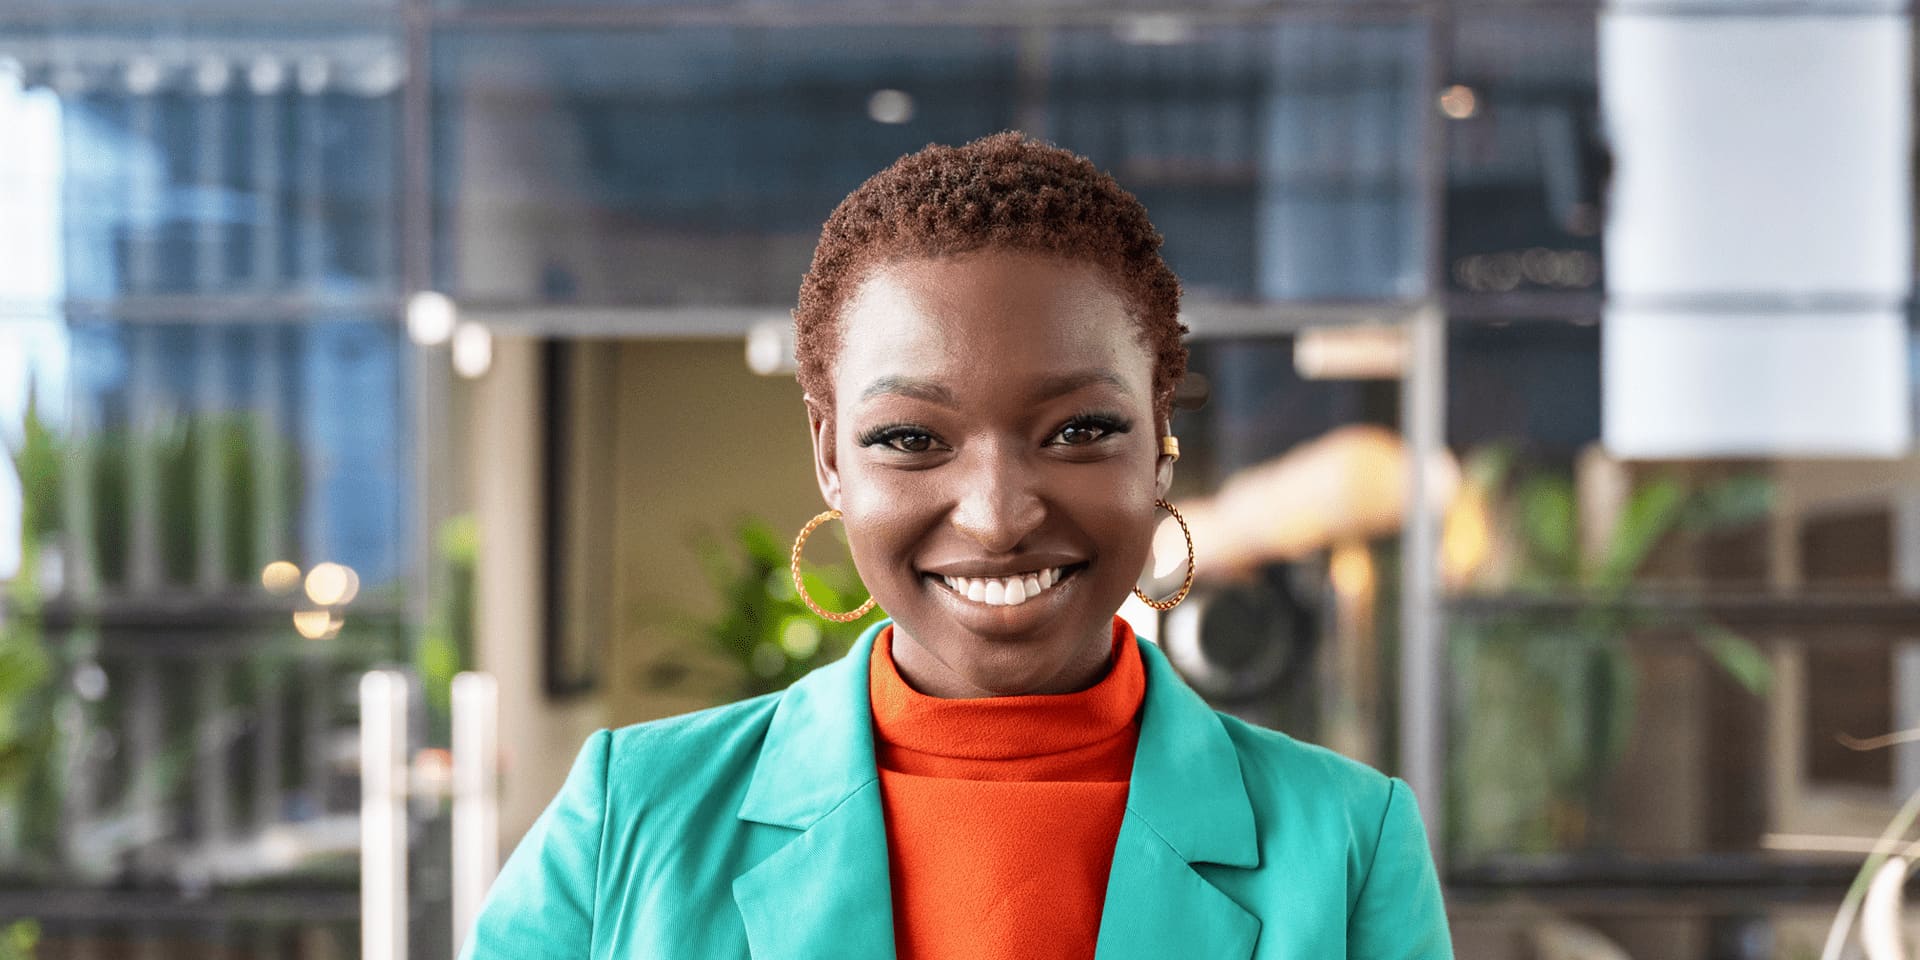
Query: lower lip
1005, 616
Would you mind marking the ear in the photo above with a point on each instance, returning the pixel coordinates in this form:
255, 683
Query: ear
1162, 476
826, 463
1163, 464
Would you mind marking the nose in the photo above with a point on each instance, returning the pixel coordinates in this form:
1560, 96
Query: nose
998, 505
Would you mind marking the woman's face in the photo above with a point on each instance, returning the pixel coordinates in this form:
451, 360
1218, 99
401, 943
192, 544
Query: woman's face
994, 452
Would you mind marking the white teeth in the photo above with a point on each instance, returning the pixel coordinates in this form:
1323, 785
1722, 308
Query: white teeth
1004, 591
1016, 591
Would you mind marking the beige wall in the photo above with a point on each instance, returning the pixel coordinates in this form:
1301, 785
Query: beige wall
703, 442
538, 737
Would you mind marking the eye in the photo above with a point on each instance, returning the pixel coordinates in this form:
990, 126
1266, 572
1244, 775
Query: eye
1074, 434
1083, 430
910, 442
904, 438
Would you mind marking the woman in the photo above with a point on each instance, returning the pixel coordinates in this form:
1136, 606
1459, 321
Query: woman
988, 342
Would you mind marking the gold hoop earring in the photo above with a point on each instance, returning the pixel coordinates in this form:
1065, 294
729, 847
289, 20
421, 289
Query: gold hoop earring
799, 544
1165, 605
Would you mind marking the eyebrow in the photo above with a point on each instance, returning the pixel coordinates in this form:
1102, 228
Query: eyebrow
914, 387
1067, 383
1059, 386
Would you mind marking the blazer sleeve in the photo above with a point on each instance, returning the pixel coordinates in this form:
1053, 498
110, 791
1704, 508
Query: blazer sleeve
541, 906
1399, 914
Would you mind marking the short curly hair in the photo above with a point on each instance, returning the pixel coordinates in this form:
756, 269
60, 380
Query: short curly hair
1004, 191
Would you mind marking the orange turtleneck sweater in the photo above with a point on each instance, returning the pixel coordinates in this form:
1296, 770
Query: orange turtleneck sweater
1002, 812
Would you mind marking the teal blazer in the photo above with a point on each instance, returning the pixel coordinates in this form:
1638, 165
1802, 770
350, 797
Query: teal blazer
755, 830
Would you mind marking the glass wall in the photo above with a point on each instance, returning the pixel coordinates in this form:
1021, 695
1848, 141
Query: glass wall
694, 166
204, 399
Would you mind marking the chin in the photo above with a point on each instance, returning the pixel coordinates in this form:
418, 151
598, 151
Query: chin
1005, 670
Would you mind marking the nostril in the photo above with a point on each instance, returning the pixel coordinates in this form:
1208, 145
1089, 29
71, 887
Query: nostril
999, 527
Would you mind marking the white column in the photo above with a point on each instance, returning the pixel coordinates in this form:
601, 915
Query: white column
383, 815
476, 796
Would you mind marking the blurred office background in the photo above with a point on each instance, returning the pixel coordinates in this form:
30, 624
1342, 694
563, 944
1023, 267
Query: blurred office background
434, 336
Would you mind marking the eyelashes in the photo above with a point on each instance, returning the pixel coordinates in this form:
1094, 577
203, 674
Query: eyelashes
904, 437
1081, 430
1101, 425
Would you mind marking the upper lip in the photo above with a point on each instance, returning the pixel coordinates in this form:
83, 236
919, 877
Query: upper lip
1001, 567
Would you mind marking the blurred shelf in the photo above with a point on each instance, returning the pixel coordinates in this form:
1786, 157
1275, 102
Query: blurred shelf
1718, 882
306, 904
1524, 306
183, 610
242, 624
1736, 610
235, 307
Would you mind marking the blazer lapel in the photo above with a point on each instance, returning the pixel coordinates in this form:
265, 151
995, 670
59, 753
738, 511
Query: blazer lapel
1186, 804
827, 892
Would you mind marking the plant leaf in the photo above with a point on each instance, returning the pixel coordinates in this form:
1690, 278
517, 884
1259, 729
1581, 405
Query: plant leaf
1547, 518
1741, 658
1651, 511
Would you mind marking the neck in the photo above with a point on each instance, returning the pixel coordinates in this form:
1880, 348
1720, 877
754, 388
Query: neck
926, 670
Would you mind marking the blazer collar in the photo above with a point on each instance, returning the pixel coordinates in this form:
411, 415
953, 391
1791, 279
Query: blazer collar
1186, 803
826, 893
1186, 781
819, 746
1186, 773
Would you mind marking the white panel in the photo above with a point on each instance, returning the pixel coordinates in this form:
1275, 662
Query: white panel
476, 796
1814, 384
32, 271
383, 815
1760, 161
1757, 154
1144, 620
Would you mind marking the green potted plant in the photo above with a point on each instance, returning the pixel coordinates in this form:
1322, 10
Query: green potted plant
26, 663
763, 627
1544, 700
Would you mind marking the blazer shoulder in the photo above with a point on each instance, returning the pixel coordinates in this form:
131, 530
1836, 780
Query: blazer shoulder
695, 747
1310, 774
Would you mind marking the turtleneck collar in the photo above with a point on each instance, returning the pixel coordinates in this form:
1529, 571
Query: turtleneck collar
1011, 727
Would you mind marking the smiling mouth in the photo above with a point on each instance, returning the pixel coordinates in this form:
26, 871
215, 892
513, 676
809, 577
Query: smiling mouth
1008, 591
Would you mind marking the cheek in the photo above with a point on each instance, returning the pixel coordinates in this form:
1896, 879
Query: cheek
886, 513
1119, 515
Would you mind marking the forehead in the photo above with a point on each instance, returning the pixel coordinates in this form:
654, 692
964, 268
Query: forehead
989, 322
